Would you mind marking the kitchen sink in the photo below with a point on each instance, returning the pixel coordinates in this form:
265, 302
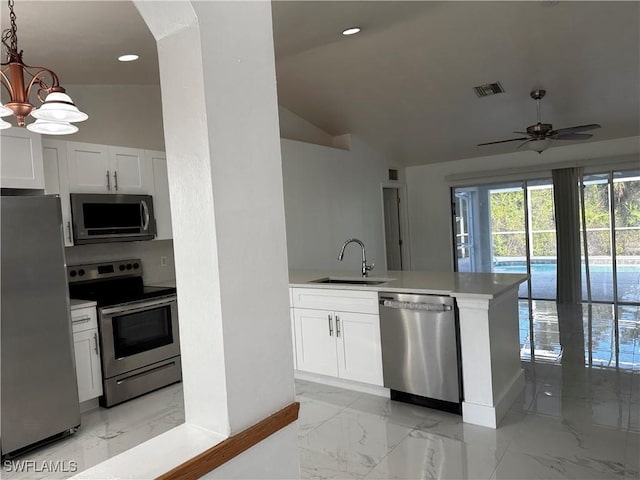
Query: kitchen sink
352, 280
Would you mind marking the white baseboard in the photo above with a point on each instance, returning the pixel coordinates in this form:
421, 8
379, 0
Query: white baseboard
491, 415
341, 383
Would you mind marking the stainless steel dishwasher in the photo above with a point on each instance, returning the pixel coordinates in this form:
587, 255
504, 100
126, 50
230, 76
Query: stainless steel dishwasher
420, 352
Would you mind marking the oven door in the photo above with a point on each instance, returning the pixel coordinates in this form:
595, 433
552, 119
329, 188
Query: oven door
138, 334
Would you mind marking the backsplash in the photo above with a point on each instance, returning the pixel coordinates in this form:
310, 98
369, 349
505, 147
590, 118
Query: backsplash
150, 252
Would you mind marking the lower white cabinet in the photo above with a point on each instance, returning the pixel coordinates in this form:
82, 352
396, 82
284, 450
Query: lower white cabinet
339, 344
87, 353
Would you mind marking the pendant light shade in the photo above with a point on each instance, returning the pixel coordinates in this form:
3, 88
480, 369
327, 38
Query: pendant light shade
22, 81
58, 107
4, 111
52, 128
4, 125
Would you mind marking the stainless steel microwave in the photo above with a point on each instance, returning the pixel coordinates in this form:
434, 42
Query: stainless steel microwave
99, 218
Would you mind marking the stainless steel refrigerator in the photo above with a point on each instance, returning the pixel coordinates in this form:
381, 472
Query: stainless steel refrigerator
39, 396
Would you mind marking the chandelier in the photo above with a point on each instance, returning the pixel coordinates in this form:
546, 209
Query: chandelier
57, 112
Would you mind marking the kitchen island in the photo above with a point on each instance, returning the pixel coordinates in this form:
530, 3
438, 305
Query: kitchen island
487, 305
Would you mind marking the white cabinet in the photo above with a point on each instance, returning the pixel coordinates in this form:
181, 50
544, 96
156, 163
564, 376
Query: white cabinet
87, 353
21, 157
56, 181
107, 169
161, 201
343, 343
359, 347
315, 341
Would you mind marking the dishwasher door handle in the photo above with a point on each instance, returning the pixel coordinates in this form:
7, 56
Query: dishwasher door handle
417, 306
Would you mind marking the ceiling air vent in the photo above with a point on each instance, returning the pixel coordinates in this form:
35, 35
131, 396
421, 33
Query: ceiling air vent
488, 89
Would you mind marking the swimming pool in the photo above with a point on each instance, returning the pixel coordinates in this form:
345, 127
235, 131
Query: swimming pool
552, 267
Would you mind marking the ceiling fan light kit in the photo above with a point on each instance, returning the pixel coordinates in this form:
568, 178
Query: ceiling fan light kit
57, 112
539, 135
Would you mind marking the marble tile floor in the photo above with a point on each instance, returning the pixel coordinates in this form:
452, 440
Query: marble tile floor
568, 423
574, 419
104, 433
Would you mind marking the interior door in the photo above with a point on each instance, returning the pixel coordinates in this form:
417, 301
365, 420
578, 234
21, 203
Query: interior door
316, 341
393, 238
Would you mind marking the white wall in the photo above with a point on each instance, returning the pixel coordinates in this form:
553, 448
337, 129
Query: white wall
149, 252
430, 200
332, 195
131, 116
294, 127
124, 115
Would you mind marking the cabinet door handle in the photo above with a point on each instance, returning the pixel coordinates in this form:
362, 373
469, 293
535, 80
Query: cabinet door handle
69, 232
330, 325
337, 326
108, 181
81, 320
95, 339
115, 179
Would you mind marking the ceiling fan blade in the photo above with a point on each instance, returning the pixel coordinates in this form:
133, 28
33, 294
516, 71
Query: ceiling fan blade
523, 133
524, 143
504, 141
579, 128
571, 136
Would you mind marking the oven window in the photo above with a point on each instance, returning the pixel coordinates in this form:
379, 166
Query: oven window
141, 331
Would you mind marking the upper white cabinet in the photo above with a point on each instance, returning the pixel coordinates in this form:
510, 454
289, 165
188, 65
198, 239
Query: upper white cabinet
108, 169
161, 201
21, 159
56, 181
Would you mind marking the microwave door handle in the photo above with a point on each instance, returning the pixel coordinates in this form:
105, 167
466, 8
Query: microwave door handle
145, 212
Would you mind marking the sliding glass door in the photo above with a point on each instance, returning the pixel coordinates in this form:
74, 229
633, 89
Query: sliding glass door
510, 227
611, 221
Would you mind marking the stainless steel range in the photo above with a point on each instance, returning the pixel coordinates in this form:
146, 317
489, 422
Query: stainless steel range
138, 324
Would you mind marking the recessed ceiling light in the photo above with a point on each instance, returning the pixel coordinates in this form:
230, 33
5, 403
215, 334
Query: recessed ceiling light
351, 31
128, 58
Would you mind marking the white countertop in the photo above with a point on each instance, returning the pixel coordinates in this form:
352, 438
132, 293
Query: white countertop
470, 285
78, 304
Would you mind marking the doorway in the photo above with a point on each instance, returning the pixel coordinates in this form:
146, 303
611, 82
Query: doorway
394, 227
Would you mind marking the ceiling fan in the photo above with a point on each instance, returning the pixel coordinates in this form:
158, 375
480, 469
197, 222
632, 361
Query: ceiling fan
539, 135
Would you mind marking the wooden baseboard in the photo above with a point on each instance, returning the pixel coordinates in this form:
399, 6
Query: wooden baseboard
233, 446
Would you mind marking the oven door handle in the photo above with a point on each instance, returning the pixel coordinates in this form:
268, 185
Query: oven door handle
137, 306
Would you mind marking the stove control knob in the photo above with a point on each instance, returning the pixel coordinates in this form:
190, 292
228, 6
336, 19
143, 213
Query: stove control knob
72, 273
81, 272
129, 266
121, 267
136, 265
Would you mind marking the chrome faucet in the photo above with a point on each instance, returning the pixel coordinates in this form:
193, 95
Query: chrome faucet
365, 268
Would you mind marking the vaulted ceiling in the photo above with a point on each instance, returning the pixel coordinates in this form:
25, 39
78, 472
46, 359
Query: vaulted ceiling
405, 83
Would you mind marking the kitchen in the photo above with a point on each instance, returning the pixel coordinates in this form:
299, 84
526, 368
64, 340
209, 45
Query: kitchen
352, 218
